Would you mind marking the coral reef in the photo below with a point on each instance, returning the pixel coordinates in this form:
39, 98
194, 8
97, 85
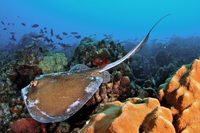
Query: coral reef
137, 66
148, 89
167, 70
84, 53
53, 62
23, 74
163, 58
135, 115
180, 93
18, 70
137, 77
96, 53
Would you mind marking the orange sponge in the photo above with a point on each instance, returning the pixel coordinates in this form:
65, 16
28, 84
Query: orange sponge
133, 116
182, 94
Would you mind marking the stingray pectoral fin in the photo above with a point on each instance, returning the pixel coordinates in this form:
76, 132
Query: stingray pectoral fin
57, 97
106, 76
79, 67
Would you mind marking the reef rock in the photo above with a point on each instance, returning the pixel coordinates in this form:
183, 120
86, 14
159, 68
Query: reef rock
53, 62
163, 58
181, 93
135, 115
97, 53
28, 125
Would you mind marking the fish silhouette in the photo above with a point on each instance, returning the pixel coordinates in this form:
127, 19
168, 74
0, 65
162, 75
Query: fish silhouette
55, 97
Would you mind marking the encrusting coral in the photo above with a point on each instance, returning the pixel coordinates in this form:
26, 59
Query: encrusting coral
28, 125
135, 115
54, 62
182, 95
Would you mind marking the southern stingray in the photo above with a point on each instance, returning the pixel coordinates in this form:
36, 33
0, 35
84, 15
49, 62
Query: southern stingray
55, 97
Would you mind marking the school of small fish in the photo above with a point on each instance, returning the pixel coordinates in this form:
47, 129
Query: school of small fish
42, 36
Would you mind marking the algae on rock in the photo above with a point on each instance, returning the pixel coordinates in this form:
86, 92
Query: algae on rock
55, 62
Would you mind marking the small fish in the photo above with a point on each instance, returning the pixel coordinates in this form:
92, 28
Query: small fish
29, 45
78, 37
51, 40
135, 39
46, 39
54, 47
64, 33
2, 22
12, 38
41, 32
74, 33
154, 40
51, 32
58, 37
45, 31
36, 38
64, 46
45, 28
8, 23
23, 24
35, 26
35, 48
13, 24
22, 40
6, 54
12, 32
50, 45
4, 28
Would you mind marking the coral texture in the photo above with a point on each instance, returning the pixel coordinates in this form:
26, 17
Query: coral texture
27, 125
96, 53
56, 62
130, 117
99, 62
182, 94
102, 58
163, 58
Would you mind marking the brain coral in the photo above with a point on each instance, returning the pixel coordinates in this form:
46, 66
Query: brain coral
182, 94
55, 62
136, 115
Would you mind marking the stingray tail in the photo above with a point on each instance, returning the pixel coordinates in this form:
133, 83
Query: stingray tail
141, 44
133, 51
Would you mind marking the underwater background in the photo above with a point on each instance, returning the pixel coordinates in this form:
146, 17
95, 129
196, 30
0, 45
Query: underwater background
48, 36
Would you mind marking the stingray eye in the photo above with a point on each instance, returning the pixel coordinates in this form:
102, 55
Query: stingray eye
34, 83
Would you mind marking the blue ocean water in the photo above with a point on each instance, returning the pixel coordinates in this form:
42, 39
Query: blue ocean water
124, 19
172, 43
